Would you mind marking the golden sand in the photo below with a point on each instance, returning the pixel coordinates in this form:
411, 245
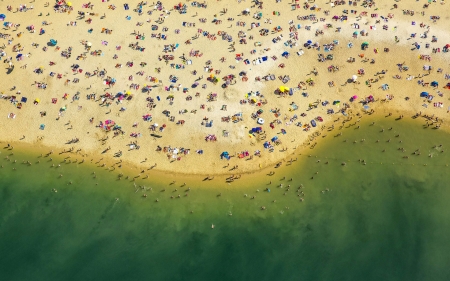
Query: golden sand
74, 121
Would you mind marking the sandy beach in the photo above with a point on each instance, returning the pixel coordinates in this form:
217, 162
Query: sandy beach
222, 87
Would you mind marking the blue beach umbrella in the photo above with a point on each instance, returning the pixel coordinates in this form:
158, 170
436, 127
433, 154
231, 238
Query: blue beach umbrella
2, 16
53, 42
424, 94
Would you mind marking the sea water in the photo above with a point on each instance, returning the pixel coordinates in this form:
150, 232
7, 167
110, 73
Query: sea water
360, 206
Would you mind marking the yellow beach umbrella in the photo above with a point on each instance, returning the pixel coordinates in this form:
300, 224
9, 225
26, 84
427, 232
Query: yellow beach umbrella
69, 4
284, 89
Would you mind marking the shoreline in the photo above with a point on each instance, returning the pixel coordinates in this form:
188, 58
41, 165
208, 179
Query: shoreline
130, 167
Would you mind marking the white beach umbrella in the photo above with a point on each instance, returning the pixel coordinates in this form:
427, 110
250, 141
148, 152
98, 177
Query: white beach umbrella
354, 77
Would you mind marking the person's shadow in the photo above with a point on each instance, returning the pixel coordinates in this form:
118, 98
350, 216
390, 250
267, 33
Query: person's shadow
10, 69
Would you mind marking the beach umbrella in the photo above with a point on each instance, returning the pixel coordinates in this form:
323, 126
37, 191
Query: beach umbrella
424, 94
5, 23
88, 44
434, 84
354, 77
69, 4
283, 89
355, 97
155, 125
18, 56
53, 42
2, 16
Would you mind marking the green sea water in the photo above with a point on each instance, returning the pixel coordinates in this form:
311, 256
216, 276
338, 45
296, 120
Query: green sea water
387, 219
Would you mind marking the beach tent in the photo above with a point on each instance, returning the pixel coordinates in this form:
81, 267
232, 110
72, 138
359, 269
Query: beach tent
424, 94
24, 99
336, 102
434, 84
274, 138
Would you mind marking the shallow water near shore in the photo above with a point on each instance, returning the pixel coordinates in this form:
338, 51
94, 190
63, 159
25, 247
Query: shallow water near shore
386, 219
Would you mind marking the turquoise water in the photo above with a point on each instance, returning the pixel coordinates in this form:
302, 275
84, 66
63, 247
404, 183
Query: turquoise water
387, 219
